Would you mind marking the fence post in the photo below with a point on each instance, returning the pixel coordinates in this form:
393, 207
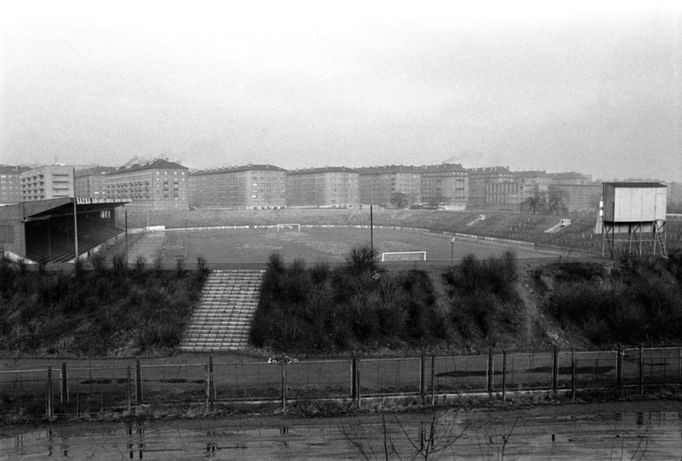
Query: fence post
284, 385
63, 388
422, 376
211, 383
619, 370
48, 394
504, 375
138, 382
129, 389
433, 379
572, 375
207, 387
358, 394
490, 371
679, 360
353, 391
555, 370
641, 371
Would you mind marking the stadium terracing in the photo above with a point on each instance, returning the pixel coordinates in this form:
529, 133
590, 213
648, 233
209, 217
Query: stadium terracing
56, 230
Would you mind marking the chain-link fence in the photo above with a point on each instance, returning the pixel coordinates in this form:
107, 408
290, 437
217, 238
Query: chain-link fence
79, 387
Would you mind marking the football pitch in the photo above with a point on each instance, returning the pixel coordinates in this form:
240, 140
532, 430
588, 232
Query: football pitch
313, 244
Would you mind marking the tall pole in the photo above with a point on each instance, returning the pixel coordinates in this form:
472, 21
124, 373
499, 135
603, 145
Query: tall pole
452, 250
125, 210
75, 220
371, 228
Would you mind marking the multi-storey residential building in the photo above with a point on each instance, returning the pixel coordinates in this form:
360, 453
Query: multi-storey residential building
675, 197
377, 185
581, 197
445, 185
158, 184
504, 195
46, 182
581, 193
571, 178
479, 178
250, 186
322, 187
91, 182
10, 183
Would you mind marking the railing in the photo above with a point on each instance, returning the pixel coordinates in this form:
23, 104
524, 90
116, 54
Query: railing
77, 387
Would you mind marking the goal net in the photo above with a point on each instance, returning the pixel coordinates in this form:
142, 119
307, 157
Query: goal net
403, 256
289, 226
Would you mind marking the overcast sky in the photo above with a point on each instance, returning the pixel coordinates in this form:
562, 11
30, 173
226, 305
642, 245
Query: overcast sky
587, 86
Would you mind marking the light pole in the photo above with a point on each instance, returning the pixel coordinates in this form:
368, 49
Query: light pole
371, 228
452, 250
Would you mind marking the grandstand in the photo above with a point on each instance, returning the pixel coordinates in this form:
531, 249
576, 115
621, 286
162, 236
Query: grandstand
43, 231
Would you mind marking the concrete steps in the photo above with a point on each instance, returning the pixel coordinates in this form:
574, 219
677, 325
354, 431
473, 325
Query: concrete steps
222, 322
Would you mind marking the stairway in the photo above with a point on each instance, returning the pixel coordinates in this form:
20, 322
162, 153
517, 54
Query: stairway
228, 303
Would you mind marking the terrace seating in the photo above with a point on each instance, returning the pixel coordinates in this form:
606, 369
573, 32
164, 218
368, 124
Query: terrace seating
222, 321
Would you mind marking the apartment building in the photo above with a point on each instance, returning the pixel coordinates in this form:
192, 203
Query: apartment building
445, 185
377, 185
47, 182
92, 182
158, 184
246, 187
10, 183
479, 178
328, 187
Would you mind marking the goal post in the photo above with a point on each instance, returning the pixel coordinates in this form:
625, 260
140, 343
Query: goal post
403, 256
289, 226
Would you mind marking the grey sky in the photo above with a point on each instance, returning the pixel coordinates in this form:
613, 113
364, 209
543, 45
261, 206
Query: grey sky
588, 88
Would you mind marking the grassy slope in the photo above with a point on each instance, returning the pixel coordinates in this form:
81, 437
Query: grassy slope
95, 312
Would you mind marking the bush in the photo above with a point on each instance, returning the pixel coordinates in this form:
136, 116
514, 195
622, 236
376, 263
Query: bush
317, 309
483, 297
642, 302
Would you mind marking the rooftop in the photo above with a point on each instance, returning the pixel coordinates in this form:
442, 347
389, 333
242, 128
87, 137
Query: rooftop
236, 169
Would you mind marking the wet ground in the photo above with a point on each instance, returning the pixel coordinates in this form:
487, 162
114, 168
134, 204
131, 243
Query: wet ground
634, 430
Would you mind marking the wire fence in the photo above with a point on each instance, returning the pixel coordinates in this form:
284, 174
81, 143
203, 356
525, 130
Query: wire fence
77, 387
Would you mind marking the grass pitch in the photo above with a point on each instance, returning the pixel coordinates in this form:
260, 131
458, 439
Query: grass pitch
312, 244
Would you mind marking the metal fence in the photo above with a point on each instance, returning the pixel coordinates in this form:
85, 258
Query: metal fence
81, 386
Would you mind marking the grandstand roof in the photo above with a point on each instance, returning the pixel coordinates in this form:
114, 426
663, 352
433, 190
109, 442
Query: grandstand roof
48, 206
237, 169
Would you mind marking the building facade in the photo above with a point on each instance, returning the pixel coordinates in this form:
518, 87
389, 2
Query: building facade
504, 195
328, 187
445, 185
47, 182
377, 185
479, 178
10, 183
92, 182
158, 184
582, 197
247, 187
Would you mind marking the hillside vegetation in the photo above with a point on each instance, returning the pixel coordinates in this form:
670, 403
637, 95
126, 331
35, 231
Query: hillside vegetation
638, 301
104, 311
362, 307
